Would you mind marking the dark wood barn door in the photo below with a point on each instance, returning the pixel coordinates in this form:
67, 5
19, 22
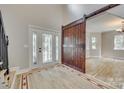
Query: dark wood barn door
73, 45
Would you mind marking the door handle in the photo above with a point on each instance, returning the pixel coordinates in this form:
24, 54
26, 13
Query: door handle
40, 50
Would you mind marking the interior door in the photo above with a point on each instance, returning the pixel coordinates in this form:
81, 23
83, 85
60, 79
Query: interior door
73, 45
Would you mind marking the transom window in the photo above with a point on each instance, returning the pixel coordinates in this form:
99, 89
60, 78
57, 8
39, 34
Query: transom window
119, 42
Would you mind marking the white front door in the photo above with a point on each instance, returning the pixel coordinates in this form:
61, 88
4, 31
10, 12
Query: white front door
45, 48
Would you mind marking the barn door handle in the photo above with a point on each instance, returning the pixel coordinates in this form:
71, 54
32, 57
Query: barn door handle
83, 46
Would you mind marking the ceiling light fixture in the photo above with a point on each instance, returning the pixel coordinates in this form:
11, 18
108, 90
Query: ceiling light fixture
122, 27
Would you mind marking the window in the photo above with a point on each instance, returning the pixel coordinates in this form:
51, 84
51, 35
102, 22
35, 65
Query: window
34, 47
119, 42
93, 42
57, 48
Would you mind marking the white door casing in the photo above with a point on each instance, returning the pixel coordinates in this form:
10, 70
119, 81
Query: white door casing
40, 33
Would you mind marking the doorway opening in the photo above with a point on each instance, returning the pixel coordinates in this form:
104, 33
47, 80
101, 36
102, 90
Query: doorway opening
44, 47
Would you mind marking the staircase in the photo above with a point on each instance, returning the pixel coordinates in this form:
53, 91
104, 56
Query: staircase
3, 79
7, 80
4, 70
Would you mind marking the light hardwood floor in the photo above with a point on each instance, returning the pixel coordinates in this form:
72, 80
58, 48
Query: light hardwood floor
59, 77
108, 70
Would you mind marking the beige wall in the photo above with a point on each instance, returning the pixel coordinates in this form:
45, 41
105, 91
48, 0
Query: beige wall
16, 19
108, 45
105, 45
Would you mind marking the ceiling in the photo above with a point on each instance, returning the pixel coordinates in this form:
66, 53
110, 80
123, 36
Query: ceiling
107, 21
117, 11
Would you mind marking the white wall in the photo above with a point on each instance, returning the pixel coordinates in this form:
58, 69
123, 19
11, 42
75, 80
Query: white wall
16, 19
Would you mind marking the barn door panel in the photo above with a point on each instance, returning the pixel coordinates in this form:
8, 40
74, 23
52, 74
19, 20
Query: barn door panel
73, 45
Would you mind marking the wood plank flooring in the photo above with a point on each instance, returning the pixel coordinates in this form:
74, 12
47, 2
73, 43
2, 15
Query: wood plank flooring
11, 78
108, 70
61, 77
17, 82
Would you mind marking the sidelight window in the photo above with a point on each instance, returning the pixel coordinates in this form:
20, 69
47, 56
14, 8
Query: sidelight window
34, 48
57, 47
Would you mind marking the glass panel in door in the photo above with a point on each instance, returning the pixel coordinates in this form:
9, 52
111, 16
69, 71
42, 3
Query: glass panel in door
47, 48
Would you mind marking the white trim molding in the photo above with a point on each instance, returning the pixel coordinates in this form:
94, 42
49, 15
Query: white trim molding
43, 28
38, 29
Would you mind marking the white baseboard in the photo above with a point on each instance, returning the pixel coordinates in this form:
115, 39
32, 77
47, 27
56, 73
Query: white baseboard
14, 69
94, 57
23, 71
114, 59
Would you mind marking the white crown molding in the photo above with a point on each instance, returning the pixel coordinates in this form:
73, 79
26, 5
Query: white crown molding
43, 28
